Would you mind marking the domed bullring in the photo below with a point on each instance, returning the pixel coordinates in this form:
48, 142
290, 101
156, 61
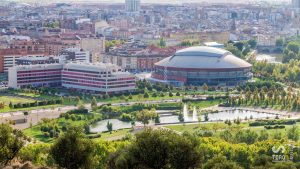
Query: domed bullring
201, 64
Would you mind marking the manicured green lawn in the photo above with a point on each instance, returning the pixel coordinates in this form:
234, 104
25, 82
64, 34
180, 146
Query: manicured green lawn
21, 97
38, 96
221, 126
137, 98
195, 127
7, 109
198, 92
205, 103
15, 100
36, 133
114, 134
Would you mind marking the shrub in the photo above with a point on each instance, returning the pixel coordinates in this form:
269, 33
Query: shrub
126, 117
274, 127
272, 122
78, 111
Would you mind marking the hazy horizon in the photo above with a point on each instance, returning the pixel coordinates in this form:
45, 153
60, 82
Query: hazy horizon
151, 1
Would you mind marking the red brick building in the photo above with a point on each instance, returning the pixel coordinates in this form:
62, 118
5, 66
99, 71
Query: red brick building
8, 56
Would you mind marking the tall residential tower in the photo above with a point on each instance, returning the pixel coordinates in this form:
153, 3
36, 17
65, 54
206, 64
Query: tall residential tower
296, 4
132, 6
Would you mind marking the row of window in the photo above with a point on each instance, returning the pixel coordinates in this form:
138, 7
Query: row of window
50, 80
96, 86
37, 75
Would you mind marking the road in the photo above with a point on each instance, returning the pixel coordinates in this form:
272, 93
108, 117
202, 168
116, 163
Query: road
35, 116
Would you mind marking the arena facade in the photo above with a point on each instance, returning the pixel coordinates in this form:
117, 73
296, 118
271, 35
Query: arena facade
201, 64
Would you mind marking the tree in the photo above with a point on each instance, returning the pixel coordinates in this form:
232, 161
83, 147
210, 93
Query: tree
263, 135
10, 105
181, 118
206, 117
72, 150
294, 47
77, 100
237, 121
247, 136
204, 87
37, 153
293, 133
277, 135
94, 103
234, 50
145, 116
220, 162
226, 135
146, 95
239, 45
87, 129
252, 43
154, 94
11, 142
157, 119
62, 100
158, 149
109, 126
162, 43
279, 42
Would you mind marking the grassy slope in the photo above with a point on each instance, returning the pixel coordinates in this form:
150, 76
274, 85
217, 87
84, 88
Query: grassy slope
221, 126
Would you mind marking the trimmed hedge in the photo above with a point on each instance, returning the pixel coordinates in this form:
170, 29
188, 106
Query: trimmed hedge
78, 111
275, 127
272, 122
37, 103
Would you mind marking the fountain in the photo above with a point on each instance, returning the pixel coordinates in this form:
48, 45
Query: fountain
195, 117
185, 112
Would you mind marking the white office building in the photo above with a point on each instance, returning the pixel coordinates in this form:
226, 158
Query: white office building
95, 78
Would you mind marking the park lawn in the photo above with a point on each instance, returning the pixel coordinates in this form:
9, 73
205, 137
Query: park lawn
221, 126
115, 134
38, 96
195, 127
8, 109
136, 98
199, 92
15, 100
205, 103
262, 105
35, 132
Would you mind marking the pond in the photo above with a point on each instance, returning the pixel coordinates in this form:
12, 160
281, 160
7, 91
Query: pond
100, 126
191, 116
234, 114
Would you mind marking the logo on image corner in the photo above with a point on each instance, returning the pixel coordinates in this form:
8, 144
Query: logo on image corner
281, 155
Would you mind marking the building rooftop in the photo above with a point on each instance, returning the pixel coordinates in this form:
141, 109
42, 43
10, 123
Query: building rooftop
92, 66
203, 57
